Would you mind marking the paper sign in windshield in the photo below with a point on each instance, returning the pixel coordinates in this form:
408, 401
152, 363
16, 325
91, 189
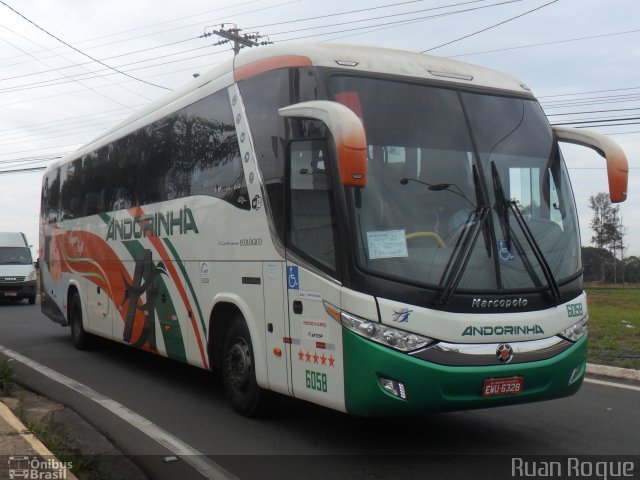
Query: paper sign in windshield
387, 244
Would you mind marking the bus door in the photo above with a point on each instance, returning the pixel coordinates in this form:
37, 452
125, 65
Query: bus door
315, 346
277, 327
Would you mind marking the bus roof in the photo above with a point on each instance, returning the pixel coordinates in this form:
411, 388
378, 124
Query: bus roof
382, 60
356, 58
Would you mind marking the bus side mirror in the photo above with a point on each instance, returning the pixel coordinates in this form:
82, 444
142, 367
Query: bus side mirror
347, 131
617, 166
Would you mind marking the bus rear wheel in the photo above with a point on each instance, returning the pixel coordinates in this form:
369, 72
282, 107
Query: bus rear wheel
238, 371
79, 337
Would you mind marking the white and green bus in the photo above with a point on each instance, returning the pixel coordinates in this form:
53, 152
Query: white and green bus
376, 231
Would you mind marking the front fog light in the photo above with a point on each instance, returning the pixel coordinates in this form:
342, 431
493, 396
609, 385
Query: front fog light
394, 388
575, 374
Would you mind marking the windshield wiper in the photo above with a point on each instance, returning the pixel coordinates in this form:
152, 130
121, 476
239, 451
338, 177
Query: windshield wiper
502, 207
462, 253
505, 206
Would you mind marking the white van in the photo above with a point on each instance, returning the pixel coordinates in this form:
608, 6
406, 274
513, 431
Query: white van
17, 270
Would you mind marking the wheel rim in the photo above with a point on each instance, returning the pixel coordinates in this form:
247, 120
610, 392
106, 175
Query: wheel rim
239, 366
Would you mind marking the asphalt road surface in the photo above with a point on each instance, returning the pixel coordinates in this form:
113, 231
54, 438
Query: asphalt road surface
305, 442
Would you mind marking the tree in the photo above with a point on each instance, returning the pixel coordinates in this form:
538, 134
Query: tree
606, 224
631, 270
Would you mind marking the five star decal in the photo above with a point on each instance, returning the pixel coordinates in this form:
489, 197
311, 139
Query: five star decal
308, 357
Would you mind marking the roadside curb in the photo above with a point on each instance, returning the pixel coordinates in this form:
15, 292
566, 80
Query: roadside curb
35, 445
613, 372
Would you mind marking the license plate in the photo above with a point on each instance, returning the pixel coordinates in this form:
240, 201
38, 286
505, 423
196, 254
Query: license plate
10, 294
494, 387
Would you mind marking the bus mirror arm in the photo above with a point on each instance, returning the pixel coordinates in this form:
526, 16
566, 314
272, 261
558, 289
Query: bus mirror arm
347, 131
617, 165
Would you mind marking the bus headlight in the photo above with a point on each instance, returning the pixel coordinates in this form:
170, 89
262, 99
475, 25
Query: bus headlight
31, 277
379, 333
575, 332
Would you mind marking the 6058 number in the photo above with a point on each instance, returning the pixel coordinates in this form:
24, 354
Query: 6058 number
316, 381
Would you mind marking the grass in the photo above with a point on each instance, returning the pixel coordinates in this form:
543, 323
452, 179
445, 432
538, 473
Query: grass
7, 378
57, 439
614, 325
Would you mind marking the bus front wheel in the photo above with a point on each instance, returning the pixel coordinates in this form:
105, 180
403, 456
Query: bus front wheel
238, 371
79, 337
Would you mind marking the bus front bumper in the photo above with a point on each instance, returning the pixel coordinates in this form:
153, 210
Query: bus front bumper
429, 387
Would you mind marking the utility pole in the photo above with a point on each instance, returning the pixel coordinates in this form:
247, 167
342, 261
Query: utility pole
233, 35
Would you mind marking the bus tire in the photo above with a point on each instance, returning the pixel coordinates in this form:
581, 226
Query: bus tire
79, 337
238, 371
32, 300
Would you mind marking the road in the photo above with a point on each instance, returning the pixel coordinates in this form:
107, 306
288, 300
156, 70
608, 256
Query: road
303, 441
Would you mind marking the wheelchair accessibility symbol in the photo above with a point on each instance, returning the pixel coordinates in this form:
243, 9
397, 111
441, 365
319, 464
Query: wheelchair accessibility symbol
504, 251
292, 278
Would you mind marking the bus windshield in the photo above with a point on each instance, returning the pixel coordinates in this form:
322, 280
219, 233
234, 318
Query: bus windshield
460, 175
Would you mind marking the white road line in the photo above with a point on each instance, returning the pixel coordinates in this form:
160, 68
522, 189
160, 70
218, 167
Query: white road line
612, 384
190, 455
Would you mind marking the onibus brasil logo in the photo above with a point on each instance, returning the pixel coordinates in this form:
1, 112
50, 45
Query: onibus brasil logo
37, 468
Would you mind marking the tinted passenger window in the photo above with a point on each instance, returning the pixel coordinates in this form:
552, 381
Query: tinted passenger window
192, 152
215, 164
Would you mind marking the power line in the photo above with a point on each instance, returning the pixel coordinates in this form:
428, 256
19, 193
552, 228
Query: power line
89, 63
371, 28
23, 170
77, 50
606, 97
624, 133
544, 43
591, 102
85, 76
610, 125
63, 121
78, 81
489, 28
349, 12
199, 24
624, 119
586, 93
592, 111
47, 83
377, 18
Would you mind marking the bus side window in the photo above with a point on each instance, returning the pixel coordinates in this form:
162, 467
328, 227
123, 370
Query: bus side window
312, 222
216, 166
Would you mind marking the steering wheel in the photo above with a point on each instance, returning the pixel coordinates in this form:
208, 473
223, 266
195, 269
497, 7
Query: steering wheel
432, 235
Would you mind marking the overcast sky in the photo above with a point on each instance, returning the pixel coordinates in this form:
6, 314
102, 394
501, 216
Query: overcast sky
576, 55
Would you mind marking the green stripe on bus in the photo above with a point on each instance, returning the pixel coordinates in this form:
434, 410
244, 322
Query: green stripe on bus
166, 311
188, 281
105, 218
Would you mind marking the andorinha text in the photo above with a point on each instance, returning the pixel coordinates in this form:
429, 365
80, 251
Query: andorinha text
158, 224
503, 330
